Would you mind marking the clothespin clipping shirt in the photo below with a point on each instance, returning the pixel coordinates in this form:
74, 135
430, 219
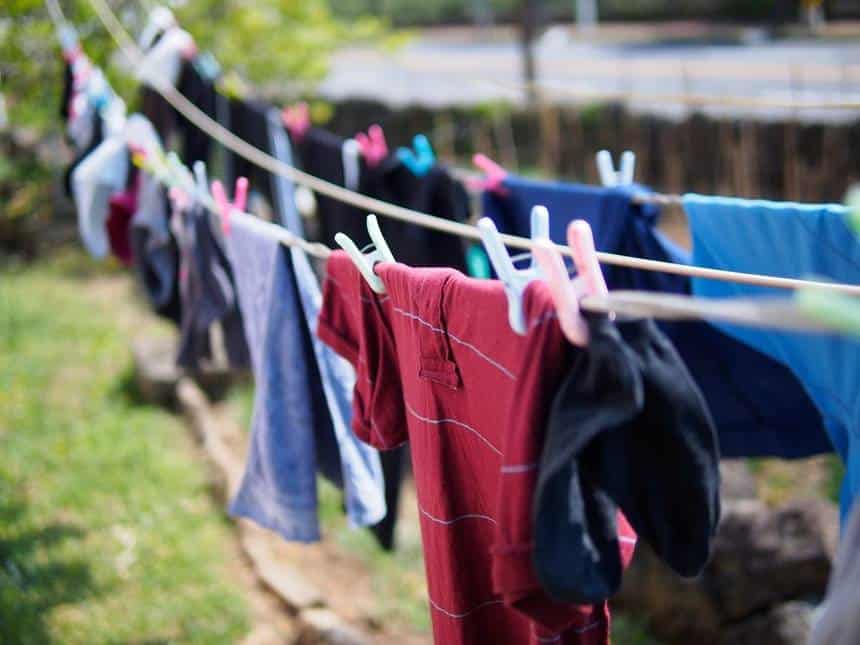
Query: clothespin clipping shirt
610, 177
422, 159
515, 280
494, 176
225, 208
365, 262
373, 145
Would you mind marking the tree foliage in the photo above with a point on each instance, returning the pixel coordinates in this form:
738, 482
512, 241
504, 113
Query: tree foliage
263, 41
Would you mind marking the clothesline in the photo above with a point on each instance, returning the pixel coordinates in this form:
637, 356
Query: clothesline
775, 314
275, 166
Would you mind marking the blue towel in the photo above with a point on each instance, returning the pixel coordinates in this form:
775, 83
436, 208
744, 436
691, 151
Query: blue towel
290, 426
790, 240
363, 482
758, 405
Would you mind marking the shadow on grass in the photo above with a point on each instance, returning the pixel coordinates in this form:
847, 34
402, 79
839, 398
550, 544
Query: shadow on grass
34, 578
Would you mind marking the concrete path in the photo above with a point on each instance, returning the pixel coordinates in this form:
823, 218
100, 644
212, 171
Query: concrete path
724, 74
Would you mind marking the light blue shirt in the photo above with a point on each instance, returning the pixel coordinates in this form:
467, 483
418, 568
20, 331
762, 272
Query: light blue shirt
363, 482
795, 241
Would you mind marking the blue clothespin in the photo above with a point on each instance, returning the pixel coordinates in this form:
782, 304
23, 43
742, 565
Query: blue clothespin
422, 160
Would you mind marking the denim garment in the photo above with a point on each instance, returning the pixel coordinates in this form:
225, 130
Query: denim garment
278, 489
790, 240
207, 292
758, 405
362, 475
154, 249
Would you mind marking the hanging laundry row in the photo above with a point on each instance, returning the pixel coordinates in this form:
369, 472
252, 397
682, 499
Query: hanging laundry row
545, 439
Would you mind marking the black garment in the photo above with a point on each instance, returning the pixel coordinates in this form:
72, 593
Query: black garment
662, 468
576, 550
95, 141
321, 154
66, 95
98, 132
208, 293
629, 427
200, 90
195, 144
436, 193
248, 121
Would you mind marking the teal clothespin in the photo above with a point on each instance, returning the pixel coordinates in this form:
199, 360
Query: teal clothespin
422, 160
477, 262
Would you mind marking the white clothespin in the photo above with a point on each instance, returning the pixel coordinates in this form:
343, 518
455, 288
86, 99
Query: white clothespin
609, 177
180, 175
351, 155
161, 64
515, 280
160, 20
201, 179
365, 262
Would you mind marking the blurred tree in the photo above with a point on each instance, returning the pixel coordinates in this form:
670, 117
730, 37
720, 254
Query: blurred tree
264, 41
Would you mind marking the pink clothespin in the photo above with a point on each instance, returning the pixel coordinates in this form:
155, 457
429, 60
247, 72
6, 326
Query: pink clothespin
225, 208
581, 242
372, 145
297, 119
494, 175
178, 197
565, 293
190, 50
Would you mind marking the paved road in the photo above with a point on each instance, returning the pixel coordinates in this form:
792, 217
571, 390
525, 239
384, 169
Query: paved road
649, 75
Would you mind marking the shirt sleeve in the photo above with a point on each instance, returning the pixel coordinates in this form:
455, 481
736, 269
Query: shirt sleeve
355, 322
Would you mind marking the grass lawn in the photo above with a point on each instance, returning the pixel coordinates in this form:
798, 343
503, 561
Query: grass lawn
107, 531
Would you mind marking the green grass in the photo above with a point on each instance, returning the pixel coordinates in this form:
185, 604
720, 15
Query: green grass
107, 532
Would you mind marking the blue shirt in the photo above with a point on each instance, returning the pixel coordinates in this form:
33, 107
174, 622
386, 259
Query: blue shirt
790, 240
759, 407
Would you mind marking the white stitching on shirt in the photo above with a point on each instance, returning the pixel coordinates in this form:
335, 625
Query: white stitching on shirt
465, 613
455, 422
476, 516
588, 628
519, 468
439, 330
628, 540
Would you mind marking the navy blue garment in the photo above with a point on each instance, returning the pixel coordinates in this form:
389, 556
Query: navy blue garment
759, 407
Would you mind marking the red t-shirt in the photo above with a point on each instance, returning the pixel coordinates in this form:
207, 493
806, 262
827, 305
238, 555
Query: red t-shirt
438, 365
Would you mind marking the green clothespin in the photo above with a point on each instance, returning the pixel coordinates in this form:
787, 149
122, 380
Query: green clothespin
835, 309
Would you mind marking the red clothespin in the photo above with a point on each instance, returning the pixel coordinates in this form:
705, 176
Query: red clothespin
494, 176
372, 145
297, 119
225, 208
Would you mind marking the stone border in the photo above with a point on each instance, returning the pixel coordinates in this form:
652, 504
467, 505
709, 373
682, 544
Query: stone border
160, 382
317, 624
